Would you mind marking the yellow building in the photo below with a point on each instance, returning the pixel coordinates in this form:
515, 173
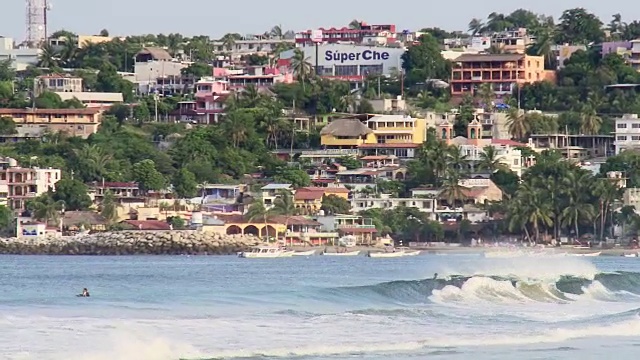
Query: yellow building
75, 122
84, 40
308, 200
374, 129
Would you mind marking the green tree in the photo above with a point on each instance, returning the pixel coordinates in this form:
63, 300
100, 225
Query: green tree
109, 207
48, 100
578, 26
184, 183
45, 208
73, 194
350, 162
6, 219
424, 61
147, 177
333, 204
7, 126
296, 177
198, 70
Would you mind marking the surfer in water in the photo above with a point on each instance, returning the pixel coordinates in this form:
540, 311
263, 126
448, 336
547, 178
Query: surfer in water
85, 293
435, 276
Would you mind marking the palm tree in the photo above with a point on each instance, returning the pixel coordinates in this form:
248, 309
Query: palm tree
518, 125
616, 26
273, 126
283, 205
276, 32
109, 207
251, 96
457, 160
590, 122
490, 161
96, 158
69, 51
257, 211
451, 189
578, 207
229, 40
355, 24
348, 102
537, 210
475, 26
487, 95
46, 209
301, 66
607, 192
235, 126
48, 57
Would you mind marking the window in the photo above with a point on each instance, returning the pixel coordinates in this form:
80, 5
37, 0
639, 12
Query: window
622, 138
346, 70
621, 126
516, 162
635, 138
635, 126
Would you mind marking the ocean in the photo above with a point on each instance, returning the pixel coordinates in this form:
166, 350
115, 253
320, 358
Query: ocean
217, 307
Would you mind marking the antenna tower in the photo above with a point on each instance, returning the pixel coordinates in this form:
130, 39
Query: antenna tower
37, 22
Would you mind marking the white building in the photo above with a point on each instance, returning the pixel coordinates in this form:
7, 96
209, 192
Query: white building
271, 192
23, 184
351, 62
254, 46
627, 133
20, 57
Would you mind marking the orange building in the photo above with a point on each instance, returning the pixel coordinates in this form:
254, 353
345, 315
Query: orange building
503, 71
75, 122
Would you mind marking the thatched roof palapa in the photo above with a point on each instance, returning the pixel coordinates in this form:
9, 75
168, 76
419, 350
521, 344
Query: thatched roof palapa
346, 127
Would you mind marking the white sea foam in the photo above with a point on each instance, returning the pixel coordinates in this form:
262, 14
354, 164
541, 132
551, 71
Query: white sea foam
539, 268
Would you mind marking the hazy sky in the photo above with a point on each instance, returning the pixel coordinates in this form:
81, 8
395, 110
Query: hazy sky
217, 17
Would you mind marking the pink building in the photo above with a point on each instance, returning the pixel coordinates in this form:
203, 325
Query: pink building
211, 94
258, 76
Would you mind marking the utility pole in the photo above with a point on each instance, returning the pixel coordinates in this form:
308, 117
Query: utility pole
155, 98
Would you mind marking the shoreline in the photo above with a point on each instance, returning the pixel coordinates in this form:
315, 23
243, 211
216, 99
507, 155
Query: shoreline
191, 242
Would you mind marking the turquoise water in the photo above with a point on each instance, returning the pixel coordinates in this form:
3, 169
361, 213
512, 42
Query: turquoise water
169, 308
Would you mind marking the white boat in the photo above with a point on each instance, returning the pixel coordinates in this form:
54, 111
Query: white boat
304, 253
588, 254
631, 255
408, 252
393, 254
349, 253
266, 252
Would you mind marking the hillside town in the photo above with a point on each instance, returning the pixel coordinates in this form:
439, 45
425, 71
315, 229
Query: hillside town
520, 128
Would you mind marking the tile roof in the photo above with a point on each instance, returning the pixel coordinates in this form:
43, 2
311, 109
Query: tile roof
147, 224
29, 111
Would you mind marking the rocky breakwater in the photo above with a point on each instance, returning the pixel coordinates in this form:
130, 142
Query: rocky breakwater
132, 243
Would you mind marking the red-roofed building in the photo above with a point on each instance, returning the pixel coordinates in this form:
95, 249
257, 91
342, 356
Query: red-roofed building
146, 225
345, 34
309, 199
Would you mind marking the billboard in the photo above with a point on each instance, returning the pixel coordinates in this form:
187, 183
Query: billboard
316, 36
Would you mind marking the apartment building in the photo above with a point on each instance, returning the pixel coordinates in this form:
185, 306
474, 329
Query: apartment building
348, 35
74, 122
514, 41
21, 57
634, 57
376, 135
271, 192
71, 87
503, 71
210, 96
251, 46
627, 133
20, 184
59, 83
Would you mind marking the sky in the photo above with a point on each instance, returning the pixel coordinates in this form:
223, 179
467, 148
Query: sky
217, 17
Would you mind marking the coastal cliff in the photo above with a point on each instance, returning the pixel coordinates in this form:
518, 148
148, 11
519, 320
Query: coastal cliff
132, 243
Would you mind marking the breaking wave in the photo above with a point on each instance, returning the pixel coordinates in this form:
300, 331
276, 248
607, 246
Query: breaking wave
504, 289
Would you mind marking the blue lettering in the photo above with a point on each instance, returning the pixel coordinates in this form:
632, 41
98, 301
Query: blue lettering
366, 55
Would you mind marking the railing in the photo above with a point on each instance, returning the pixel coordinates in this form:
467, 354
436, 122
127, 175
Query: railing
330, 152
356, 226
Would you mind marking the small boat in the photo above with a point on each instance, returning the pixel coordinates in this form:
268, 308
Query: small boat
304, 253
630, 255
391, 254
408, 252
266, 252
588, 254
349, 253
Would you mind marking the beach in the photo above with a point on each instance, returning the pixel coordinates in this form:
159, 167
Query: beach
224, 307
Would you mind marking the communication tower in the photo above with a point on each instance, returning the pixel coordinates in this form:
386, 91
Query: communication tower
37, 21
